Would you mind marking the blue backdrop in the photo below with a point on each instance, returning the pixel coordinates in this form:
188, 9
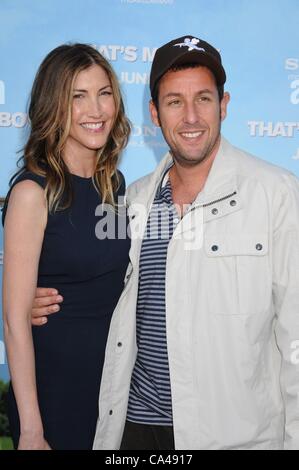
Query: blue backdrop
258, 40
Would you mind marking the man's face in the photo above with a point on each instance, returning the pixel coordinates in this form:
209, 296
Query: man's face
190, 114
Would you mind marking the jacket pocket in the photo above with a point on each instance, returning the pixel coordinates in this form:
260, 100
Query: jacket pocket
240, 268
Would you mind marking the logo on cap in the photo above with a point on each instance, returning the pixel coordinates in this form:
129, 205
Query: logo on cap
191, 44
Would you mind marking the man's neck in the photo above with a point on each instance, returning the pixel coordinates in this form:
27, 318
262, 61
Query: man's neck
188, 181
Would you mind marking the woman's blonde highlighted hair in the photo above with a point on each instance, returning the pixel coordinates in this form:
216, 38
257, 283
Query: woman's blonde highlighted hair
50, 111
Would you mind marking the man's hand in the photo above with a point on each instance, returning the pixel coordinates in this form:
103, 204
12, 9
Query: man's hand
45, 303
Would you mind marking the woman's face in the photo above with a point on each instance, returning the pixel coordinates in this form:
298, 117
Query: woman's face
93, 111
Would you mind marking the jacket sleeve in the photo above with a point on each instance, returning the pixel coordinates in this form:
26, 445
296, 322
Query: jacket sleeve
286, 302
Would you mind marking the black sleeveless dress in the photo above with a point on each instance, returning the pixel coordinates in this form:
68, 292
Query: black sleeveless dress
69, 350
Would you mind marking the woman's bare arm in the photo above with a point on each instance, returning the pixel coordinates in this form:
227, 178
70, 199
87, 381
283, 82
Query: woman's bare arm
24, 227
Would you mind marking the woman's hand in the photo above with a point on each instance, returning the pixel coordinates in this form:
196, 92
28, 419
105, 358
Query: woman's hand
33, 442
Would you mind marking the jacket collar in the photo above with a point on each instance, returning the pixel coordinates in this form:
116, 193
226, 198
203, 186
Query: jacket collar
221, 181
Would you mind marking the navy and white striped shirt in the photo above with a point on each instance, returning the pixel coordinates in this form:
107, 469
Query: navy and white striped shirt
150, 392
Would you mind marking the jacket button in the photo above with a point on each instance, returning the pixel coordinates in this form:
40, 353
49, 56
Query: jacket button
233, 203
259, 247
214, 211
214, 248
133, 217
119, 344
110, 412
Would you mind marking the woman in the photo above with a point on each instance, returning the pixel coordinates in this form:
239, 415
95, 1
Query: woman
78, 129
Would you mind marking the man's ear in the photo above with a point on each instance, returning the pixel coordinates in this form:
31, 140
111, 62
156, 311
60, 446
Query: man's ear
223, 105
154, 113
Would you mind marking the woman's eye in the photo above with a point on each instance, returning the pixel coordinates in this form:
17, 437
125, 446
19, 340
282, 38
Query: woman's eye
106, 93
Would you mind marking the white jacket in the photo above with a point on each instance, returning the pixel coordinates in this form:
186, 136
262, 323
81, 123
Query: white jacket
232, 312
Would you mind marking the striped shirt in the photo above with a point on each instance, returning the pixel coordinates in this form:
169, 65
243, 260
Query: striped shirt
150, 391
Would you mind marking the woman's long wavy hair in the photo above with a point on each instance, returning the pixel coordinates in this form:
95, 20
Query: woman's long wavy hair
50, 114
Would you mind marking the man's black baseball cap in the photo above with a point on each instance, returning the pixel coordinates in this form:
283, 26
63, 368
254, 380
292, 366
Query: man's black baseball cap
187, 49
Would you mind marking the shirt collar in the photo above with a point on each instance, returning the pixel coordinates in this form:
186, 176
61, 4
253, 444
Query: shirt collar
164, 188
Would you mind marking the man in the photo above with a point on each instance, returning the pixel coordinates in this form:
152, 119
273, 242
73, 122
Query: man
203, 345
